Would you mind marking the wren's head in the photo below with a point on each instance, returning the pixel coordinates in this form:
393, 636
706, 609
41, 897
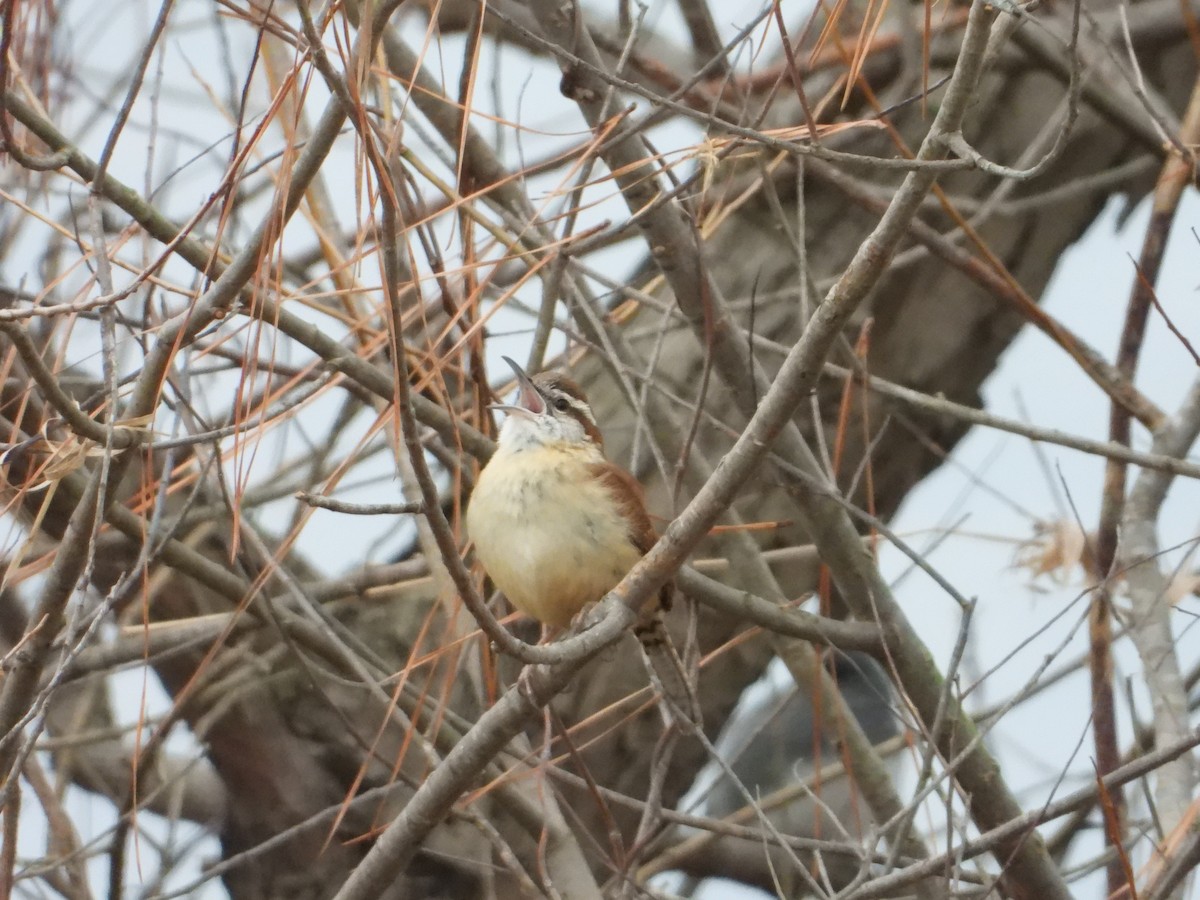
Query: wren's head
550, 409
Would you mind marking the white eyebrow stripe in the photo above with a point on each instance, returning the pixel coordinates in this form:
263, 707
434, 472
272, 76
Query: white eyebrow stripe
582, 407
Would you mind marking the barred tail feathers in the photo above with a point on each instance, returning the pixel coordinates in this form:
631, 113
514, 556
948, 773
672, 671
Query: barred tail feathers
668, 673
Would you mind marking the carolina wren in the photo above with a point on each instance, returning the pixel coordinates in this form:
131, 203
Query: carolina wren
557, 526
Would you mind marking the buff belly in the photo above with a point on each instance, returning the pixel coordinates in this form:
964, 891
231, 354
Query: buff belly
548, 533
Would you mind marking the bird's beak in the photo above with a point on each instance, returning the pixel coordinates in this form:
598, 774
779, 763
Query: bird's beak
529, 399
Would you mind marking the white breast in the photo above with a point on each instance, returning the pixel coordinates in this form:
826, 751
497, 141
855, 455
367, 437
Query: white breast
548, 533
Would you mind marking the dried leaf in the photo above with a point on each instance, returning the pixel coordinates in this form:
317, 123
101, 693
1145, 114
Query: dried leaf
1182, 585
1055, 549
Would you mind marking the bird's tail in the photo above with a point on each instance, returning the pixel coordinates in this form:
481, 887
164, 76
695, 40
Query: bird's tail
668, 672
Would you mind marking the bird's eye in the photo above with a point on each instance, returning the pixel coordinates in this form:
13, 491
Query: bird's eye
562, 404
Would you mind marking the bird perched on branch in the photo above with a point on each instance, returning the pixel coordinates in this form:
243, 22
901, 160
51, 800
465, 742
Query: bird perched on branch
556, 525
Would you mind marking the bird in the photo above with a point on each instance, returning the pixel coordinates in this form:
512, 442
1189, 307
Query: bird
557, 525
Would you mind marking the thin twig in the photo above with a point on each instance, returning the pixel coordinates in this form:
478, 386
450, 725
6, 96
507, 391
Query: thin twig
361, 509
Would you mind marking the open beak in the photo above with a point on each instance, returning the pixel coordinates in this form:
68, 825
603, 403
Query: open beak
529, 399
